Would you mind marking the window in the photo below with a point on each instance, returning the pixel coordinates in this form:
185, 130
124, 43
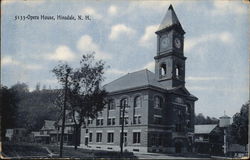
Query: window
157, 102
136, 137
188, 123
177, 71
124, 102
90, 121
111, 104
98, 137
110, 137
99, 122
124, 138
156, 139
137, 119
87, 130
157, 119
111, 121
125, 121
188, 109
90, 137
163, 70
137, 102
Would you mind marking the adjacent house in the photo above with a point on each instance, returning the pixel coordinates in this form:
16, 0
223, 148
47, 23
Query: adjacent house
69, 135
16, 135
44, 134
202, 137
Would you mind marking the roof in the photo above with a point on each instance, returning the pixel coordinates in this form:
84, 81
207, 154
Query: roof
48, 125
169, 20
133, 80
225, 116
204, 129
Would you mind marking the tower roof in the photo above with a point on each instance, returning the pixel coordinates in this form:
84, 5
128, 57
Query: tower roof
169, 20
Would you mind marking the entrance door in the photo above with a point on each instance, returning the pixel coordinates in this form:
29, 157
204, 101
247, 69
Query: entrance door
177, 147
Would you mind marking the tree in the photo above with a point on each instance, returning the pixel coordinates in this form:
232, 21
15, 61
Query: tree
38, 85
20, 88
200, 119
85, 97
8, 109
238, 131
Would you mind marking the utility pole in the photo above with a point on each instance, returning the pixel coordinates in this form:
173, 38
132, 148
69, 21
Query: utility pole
64, 110
122, 133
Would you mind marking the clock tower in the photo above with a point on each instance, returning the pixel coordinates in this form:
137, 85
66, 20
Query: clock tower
170, 60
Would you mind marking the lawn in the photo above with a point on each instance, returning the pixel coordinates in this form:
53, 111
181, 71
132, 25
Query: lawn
26, 150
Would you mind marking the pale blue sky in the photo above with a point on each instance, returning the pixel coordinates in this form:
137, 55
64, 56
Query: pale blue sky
122, 34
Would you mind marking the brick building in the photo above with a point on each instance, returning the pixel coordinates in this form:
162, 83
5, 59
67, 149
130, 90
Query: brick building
159, 113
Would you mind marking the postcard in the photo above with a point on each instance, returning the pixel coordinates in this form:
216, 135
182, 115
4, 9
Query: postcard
154, 79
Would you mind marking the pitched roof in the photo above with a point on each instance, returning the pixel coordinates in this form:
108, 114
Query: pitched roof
48, 125
204, 129
170, 19
133, 80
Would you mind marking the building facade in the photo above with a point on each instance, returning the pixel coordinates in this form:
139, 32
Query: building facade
159, 110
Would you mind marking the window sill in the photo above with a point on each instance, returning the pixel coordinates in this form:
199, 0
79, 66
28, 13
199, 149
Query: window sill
110, 142
136, 144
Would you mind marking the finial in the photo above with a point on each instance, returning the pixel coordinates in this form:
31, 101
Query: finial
170, 7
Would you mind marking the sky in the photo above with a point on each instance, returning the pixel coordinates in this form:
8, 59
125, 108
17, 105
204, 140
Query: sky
122, 34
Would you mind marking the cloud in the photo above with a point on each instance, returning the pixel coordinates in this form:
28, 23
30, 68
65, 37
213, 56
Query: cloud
112, 10
32, 3
116, 71
86, 44
155, 5
205, 78
62, 53
227, 7
148, 36
150, 66
92, 12
8, 60
120, 30
224, 37
220, 89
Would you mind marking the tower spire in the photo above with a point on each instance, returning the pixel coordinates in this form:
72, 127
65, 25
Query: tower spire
169, 20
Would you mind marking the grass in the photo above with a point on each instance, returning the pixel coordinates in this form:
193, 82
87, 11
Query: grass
26, 150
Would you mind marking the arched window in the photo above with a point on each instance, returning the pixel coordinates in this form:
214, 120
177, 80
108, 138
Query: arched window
137, 102
124, 102
177, 71
188, 109
111, 104
163, 69
157, 102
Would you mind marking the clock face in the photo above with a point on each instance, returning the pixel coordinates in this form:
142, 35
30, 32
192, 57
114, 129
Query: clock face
164, 42
177, 43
